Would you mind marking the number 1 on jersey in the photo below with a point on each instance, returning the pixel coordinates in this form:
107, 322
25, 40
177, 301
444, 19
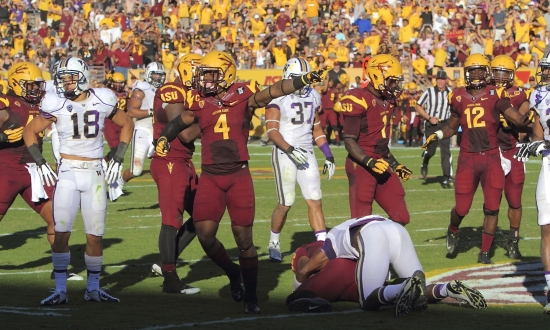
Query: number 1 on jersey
385, 122
221, 126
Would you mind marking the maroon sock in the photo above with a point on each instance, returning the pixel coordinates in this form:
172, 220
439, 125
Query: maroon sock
168, 267
249, 271
454, 229
221, 258
486, 242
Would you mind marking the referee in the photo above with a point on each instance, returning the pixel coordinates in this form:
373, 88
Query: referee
434, 106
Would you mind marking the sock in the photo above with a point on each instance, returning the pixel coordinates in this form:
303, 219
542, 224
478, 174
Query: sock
547, 278
249, 271
486, 241
514, 232
442, 289
93, 265
60, 265
274, 237
391, 291
321, 235
167, 247
185, 235
453, 229
221, 258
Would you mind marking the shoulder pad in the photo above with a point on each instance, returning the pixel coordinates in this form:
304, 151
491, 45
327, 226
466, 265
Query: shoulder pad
354, 103
316, 96
172, 93
105, 96
4, 102
450, 96
141, 85
502, 93
50, 104
240, 92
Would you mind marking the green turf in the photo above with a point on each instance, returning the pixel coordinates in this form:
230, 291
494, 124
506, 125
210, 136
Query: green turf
130, 245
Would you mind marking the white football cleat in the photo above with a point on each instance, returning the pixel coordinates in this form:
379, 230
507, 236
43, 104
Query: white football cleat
274, 249
99, 296
56, 298
156, 269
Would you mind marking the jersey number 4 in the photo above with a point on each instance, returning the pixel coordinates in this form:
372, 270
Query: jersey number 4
221, 126
90, 123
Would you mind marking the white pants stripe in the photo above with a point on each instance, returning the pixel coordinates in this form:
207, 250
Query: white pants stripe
543, 207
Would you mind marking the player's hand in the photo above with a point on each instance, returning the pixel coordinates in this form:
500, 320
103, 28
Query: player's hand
297, 154
429, 139
113, 170
329, 167
162, 147
403, 172
315, 76
503, 122
378, 165
48, 176
530, 117
12, 135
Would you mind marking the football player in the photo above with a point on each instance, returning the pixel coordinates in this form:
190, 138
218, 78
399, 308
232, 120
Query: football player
336, 281
293, 121
373, 172
503, 71
539, 100
223, 109
329, 120
477, 108
175, 177
18, 176
413, 121
117, 84
140, 107
79, 113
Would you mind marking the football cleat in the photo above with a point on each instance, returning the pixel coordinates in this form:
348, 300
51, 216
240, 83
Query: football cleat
173, 284
483, 258
56, 298
412, 295
156, 268
513, 249
463, 293
251, 306
546, 309
99, 296
424, 171
448, 183
237, 289
274, 249
310, 305
452, 242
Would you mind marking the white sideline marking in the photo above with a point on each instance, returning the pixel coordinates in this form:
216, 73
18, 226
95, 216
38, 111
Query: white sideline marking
247, 319
430, 229
26, 273
32, 311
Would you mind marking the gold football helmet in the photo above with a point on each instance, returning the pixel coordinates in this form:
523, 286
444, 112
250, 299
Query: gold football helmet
477, 71
25, 80
413, 88
385, 74
119, 83
187, 68
216, 72
503, 69
344, 79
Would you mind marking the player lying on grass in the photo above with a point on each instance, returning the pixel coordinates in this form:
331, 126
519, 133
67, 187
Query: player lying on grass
353, 263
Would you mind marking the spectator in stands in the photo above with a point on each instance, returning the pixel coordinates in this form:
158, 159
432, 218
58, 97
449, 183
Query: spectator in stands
121, 57
523, 59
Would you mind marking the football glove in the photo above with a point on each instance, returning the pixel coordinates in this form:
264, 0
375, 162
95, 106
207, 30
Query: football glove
315, 76
297, 154
377, 165
48, 176
529, 149
162, 147
503, 122
113, 170
403, 172
530, 117
329, 167
11, 135
429, 139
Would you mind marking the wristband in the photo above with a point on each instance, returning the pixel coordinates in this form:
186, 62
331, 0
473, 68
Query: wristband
326, 150
393, 162
366, 160
35, 152
120, 151
3, 137
172, 129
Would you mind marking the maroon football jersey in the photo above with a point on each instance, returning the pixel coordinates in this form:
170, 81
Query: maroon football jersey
508, 137
20, 114
170, 93
112, 129
368, 118
328, 99
479, 116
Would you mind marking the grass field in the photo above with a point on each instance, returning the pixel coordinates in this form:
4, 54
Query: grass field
514, 291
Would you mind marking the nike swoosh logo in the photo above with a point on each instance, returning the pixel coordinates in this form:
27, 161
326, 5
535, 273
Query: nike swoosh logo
313, 307
484, 98
94, 104
64, 171
55, 301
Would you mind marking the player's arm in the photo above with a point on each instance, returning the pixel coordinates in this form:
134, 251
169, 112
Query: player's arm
126, 124
172, 129
285, 87
37, 125
174, 110
448, 130
321, 141
272, 117
13, 134
352, 128
313, 265
134, 105
510, 113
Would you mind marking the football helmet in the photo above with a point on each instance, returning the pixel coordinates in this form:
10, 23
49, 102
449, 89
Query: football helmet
25, 80
460, 82
413, 88
477, 71
187, 68
344, 79
385, 74
503, 69
118, 82
155, 74
543, 71
72, 77
216, 72
297, 67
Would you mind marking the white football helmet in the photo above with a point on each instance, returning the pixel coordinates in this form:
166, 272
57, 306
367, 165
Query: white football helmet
297, 67
155, 74
543, 70
72, 70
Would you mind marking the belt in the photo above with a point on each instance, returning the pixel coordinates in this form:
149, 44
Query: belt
82, 164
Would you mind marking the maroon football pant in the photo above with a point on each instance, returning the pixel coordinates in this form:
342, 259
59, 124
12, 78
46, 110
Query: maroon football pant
472, 169
513, 182
386, 189
177, 183
234, 191
16, 180
111, 133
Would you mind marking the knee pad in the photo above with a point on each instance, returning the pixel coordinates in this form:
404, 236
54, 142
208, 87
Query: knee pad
315, 194
486, 211
137, 167
515, 208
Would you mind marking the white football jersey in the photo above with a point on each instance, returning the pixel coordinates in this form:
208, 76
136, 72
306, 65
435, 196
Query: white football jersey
80, 124
540, 101
297, 117
49, 87
146, 104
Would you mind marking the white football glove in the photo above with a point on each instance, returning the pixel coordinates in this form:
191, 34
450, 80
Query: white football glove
529, 149
329, 167
48, 176
298, 155
113, 170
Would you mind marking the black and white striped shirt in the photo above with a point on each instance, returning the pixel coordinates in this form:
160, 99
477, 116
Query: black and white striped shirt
436, 102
